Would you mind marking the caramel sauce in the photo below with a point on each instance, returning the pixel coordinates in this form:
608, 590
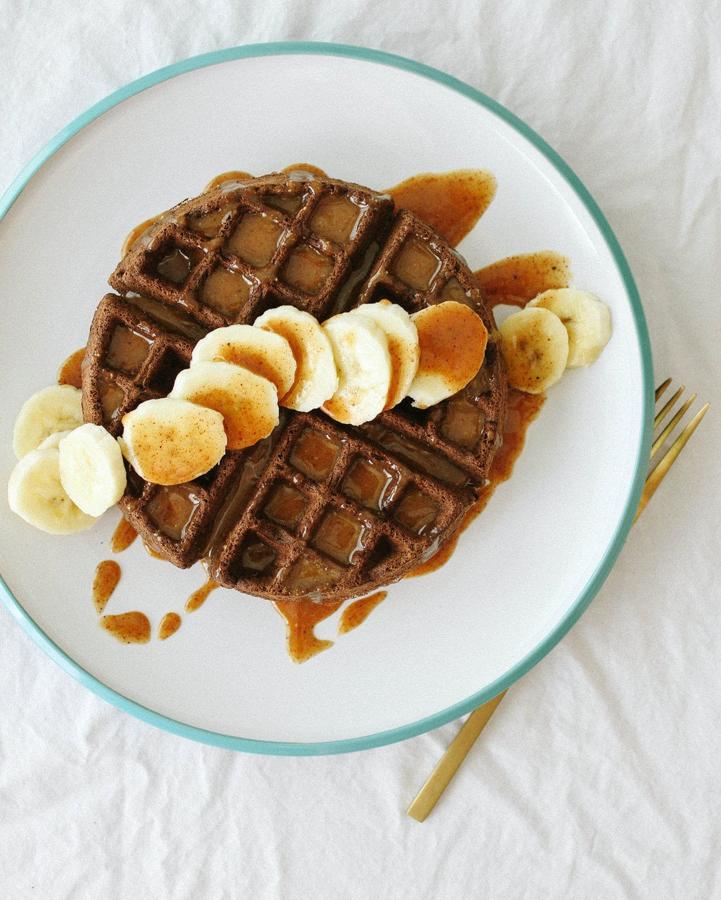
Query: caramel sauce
169, 624
151, 552
107, 576
176, 265
71, 370
129, 628
304, 167
453, 342
285, 505
226, 177
306, 269
257, 360
417, 265
301, 617
198, 598
111, 398
172, 508
226, 291
255, 239
340, 536
373, 484
127, 350
336, 218
123, 536
141, 231
314, 454
517, 279
451, 202
521, 410
358, 611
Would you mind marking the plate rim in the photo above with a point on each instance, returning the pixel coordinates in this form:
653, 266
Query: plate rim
428, 723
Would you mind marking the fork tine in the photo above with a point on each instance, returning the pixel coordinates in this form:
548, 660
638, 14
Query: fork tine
670, 457
658, 443
662, 387
660, 416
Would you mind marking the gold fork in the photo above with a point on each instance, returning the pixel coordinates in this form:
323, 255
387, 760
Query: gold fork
457, 751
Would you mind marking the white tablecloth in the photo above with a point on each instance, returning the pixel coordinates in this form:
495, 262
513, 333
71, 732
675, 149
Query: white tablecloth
600, 774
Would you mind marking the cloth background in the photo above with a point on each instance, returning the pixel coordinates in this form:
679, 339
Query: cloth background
599, 775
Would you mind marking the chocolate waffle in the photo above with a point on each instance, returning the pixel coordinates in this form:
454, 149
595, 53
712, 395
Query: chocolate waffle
318, 509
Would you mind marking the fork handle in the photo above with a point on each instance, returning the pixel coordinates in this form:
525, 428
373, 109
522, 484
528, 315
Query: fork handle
449, 763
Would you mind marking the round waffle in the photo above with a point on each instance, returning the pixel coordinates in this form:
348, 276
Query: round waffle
318, 510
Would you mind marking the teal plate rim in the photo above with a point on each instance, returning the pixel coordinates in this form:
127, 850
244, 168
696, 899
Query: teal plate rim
280, 748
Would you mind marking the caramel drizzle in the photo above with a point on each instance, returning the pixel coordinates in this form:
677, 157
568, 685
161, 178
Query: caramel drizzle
107, 576
198, 598
128, 628
229, 177
517, 279
169, 624
301, 617
450, 202
358, 611
71, 370
123, 536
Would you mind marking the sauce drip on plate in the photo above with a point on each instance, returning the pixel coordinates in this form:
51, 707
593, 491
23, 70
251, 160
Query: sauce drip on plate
301, 617
123, 536
515, 280
359, 610
450, 202
128, 628
169, 624
198, 598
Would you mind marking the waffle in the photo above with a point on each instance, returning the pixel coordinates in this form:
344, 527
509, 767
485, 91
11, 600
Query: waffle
318, 509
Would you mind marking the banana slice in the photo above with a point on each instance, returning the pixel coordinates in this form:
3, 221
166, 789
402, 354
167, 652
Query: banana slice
453, 342
403, 345
262, 352
316, 378
37, 495
247, 402
171, 441
53, 440
587, 320
363, 361
92, 469
534, 343
54, 408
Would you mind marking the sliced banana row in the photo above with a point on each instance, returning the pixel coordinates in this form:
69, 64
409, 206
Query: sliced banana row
354, 366
559, 329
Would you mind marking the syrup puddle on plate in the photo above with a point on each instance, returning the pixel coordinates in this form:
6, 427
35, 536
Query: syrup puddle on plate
358, 611
128, 628
169, 624
515, 280
450, 202
107, 576
301, 617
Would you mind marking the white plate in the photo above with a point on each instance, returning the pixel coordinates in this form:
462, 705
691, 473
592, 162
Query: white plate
522, 573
